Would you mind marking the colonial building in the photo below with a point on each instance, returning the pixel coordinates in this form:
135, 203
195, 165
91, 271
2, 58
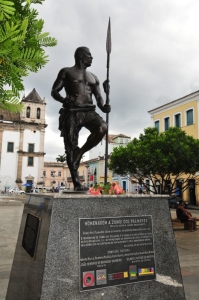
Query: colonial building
22, 143
114, 140
183, 113
95, 171
54, 174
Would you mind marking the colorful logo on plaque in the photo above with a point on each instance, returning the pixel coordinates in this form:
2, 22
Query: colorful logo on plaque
101, 277
146, 271
88, 279
119, 275
132, 272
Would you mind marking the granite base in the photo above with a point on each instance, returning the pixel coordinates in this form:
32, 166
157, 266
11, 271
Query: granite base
54, 272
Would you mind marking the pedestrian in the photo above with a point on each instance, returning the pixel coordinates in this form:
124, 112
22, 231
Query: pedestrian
185, 216
177, 191
140, 189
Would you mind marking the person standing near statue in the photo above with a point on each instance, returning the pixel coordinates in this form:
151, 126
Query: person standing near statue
78, 109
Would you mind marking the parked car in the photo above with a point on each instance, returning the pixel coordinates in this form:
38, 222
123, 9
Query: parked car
38, 190
17, 191
174, 201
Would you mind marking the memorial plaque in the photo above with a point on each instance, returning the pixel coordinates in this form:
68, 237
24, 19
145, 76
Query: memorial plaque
115, 251
31, 234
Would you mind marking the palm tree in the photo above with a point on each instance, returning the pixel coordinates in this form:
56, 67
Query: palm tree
61, 158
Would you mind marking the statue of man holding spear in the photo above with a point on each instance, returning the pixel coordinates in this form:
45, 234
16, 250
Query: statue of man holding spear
78, 109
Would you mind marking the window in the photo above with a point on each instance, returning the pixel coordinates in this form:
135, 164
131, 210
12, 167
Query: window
28, 112
121, 141
44, 173
31, 148
38, 113
189, 117
30, 161
177, 120
10, 147
166, 123
52, 173
59, 173
157, 125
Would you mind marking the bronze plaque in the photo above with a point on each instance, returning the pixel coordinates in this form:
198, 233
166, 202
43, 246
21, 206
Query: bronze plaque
31, 234
115, 251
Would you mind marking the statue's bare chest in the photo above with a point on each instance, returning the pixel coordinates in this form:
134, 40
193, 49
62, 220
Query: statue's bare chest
81, 78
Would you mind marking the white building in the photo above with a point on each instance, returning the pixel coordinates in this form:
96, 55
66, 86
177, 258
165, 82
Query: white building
22, 143
113, 141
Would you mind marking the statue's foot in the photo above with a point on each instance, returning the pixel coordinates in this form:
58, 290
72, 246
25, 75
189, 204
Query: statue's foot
80, 187
76, 158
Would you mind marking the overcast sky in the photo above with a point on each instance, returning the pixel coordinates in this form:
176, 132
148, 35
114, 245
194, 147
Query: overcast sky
154, 58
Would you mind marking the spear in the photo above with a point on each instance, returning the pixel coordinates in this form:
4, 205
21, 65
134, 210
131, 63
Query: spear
108, 50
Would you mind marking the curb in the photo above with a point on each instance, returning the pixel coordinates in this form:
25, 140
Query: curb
10, 203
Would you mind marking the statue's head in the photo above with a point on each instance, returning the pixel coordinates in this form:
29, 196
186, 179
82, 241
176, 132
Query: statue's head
83, 54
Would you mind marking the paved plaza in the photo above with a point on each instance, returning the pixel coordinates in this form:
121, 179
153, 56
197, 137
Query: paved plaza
187, 245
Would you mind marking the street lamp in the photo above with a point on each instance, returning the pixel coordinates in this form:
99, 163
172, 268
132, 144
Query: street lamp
43, 182
87, 181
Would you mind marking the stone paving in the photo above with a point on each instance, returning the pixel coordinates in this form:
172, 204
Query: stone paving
10, 219
187, 245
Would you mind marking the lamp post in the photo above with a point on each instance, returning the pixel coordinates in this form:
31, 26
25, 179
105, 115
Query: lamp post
95, 175
43, 182
87, 180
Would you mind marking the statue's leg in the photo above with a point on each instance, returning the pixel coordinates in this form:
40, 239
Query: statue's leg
71, 142
74, 173
93, 140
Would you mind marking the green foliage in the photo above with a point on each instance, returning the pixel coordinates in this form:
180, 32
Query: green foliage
61, 158
160, 157
21, 48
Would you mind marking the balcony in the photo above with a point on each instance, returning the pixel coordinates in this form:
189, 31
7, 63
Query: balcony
81, 178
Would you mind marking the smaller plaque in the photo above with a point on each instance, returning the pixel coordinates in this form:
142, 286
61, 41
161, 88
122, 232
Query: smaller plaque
31, 234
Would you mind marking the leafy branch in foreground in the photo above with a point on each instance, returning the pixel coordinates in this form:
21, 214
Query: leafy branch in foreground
21, 48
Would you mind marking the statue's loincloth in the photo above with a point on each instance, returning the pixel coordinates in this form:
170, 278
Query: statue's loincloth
72, 120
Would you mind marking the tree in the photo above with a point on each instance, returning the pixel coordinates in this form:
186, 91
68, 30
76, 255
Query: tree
21, 48
163, 158
61, 158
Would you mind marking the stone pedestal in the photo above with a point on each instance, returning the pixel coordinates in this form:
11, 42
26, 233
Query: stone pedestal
53, 270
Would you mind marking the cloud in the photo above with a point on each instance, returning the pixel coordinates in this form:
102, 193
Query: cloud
154, 57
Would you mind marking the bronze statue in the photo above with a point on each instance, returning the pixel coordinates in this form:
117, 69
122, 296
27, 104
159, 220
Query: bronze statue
78, 109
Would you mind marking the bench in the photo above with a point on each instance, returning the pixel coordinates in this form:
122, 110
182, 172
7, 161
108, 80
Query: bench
186, 227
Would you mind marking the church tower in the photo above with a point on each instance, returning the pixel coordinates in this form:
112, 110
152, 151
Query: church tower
22, 142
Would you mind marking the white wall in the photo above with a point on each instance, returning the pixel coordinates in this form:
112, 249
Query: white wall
9, 160
99, 150
30, 171
31, 137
